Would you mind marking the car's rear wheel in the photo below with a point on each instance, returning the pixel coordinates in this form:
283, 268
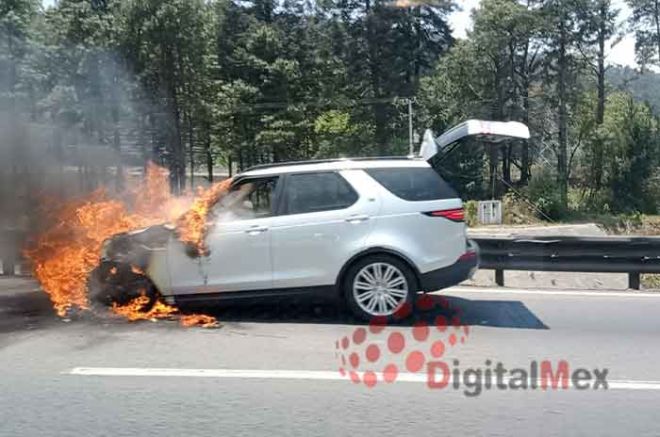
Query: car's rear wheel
379, 286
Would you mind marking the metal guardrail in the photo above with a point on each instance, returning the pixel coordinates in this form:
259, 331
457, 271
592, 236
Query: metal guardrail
631, 255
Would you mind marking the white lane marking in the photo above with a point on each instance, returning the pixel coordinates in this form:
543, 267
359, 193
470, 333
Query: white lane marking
323, 375
591, 293
207, 373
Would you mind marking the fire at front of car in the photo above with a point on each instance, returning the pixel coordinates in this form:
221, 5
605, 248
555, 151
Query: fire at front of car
67, 249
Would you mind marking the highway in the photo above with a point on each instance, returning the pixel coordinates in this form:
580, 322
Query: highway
273, 369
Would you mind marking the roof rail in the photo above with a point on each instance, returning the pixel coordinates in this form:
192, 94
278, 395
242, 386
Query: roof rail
324, 161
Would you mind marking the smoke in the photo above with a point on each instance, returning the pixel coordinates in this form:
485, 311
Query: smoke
79, 111
64, 133
42, 163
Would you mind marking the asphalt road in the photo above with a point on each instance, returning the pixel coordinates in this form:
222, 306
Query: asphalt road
273, 369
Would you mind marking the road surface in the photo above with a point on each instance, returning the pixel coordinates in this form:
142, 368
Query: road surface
273, 370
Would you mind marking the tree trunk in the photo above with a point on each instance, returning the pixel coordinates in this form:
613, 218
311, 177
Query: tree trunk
380, 116
177, 163
498, 114
12, 72
602, 35
191, 151
562, 158
597, 163
207, 151
526, 68
116, 145
177, 155
656, 17
141, 138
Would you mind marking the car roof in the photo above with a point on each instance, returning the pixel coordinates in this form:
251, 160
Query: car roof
332, 165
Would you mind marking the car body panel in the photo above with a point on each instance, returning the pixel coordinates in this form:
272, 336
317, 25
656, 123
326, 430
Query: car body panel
429, 242
186, 273
240, 255
159, 271
310, 249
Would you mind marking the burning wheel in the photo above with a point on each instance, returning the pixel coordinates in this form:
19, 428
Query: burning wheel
115, 283
378, 286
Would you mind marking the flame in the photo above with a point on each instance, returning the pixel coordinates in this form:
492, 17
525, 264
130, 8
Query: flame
133, 311
67, 251
63, 256
201, 320
193, 225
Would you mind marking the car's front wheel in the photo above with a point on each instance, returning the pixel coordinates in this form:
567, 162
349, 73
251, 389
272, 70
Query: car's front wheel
379, 286
112, 283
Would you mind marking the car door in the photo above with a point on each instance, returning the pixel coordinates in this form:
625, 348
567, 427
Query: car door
239, 243
322, 221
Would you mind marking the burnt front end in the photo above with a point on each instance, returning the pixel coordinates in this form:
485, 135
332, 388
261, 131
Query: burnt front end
128, 266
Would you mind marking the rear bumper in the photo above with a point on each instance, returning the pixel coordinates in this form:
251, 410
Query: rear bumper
454, 274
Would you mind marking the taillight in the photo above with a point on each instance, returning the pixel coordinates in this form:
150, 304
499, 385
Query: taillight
467, 256
454, 214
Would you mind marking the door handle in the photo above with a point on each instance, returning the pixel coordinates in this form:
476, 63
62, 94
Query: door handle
357, 218
255, 230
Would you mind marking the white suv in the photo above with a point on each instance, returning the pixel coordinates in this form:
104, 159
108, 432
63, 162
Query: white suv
371, 231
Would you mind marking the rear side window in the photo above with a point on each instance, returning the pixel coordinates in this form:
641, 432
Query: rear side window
314, 192
413, 183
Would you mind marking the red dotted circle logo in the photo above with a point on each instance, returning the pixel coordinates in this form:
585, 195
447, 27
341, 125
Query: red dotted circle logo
379, 352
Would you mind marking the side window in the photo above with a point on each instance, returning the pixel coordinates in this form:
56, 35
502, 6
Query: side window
413, 183
314, 192
249, 199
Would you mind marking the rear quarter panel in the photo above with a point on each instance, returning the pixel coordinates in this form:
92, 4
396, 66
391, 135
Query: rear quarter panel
429, 242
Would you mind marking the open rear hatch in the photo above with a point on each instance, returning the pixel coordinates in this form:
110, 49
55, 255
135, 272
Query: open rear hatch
435, 149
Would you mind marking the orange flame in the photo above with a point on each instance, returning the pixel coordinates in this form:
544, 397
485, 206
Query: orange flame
63, 256
201, 320
65, 253
133, 311
193, 225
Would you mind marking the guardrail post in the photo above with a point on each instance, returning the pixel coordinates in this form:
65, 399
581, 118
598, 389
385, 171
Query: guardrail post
633, 280
499, 277
8, 267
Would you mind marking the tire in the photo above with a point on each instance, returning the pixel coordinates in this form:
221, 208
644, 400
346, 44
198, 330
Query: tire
112, 283
387, 303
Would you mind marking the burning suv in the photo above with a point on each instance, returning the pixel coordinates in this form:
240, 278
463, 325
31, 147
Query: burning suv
373, 232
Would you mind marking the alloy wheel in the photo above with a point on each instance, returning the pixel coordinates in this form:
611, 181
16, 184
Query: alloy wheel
380, 289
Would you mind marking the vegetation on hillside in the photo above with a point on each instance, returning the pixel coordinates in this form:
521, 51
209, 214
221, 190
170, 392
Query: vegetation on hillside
197, 84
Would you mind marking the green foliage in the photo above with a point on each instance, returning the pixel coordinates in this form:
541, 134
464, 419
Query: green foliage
518, 210
644, 19
471, 213
545, 193
15, 19
645, 87
338, 136
196, 83
638, 140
